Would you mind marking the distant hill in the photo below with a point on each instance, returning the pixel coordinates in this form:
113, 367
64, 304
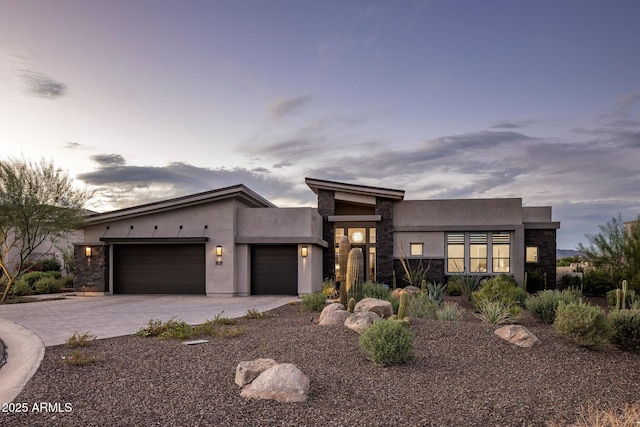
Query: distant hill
566, 253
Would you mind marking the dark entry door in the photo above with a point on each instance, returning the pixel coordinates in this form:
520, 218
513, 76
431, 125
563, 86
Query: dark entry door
274, 270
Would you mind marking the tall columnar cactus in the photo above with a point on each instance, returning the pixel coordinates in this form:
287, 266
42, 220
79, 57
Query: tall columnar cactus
343, 255
404, 303
423, 285
355, 273
624, 293
394, 280
524, 286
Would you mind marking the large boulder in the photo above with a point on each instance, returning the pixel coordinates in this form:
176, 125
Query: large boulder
518, 335
284, 383
246, 372
411, 290
360, 321
330, 309
336, 317
378, 306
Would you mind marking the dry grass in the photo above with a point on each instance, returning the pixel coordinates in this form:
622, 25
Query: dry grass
625, 415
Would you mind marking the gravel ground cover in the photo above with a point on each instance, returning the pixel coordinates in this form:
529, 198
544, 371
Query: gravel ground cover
462, 374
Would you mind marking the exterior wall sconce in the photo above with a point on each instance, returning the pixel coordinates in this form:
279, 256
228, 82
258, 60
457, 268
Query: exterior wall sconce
88, 251
304, 251
218, 250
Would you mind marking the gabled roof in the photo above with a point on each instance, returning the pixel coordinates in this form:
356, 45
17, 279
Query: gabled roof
238, 192
320, 184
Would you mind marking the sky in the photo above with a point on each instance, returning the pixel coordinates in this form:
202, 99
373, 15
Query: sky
147, 100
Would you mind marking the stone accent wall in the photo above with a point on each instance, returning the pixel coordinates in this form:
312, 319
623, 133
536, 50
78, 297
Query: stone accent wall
435, 273
91, 274
384, 241
545, 240
327, 207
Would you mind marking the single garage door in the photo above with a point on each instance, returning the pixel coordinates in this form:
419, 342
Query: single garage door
159, 269
274, 270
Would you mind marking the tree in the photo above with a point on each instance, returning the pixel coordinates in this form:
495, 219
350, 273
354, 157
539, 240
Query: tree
614, 251
38, 203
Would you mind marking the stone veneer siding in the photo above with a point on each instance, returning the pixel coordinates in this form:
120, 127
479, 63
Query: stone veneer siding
91, 274
545, 240
327, 207
384, 241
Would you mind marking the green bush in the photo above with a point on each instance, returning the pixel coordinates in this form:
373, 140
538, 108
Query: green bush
468, 283
375, 290
454, 289
586, 324
544, 304
597, 282
388, 342
329, 289
32, 277
421, 305
568, 281
395, 303
496, 312
20, 287
314, 302
625, 326
500, 288
67, 281
46, 264
48, 285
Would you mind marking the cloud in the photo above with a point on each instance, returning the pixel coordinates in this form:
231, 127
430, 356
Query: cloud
288, 107
109, 159
41, 85
513, 124
70, 145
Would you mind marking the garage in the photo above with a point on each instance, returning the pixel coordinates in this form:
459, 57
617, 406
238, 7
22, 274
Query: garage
159, 269
274, 270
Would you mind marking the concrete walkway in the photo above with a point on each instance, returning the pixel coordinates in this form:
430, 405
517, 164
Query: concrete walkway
27, 328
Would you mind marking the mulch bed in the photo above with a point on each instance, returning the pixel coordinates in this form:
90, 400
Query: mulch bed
462, 374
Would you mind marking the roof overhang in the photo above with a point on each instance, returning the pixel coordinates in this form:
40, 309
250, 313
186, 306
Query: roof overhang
238, 192
365, 190
139, 240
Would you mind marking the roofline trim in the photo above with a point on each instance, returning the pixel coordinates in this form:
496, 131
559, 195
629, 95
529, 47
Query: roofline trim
321, 184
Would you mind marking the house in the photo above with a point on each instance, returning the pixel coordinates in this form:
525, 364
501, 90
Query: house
233, 242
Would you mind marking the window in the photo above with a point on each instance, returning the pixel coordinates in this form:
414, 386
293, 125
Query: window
501, 249
455, 253
416, 249
478, 252
532, 254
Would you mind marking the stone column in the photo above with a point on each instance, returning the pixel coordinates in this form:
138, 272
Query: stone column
384, 241
327, 207
91, 274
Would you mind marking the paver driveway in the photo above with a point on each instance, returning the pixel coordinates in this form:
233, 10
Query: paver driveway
117, 315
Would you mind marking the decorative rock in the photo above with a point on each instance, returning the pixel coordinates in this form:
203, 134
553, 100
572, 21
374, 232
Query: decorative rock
518, 335
336, 317
360, 321
378, 306
330, 309
248, 371
284, 383
411, 290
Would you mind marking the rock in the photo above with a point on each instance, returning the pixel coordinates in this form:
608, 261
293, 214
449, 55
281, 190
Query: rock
336, 317
378, 306
518, 335
248, 371
284, 383
411, 290
330, 309
360, 321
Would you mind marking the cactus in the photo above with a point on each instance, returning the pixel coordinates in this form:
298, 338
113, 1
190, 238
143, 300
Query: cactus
352, 305
394, 280
545, 280
404, 302
423, 285
624, 293
343, 254
524, 286
618, 294
355, 274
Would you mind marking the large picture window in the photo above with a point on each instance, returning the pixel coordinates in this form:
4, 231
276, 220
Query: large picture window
470, 252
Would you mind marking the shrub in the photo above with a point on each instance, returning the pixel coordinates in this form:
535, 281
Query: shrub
67, 281
48, 285
77, 340
32, 277
395, 303
625, 326
388, 342
597, 282
436, 291
544, 304
79, 358
45, 264
495, 312
252, 313
536, 281
375, 290
569, 281
20, 287
454, 289
449, 311
329, 289
422, 306
584, 323
501, 288
314, 302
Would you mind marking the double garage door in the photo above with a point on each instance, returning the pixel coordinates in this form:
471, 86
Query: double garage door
159, 269
180, 269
